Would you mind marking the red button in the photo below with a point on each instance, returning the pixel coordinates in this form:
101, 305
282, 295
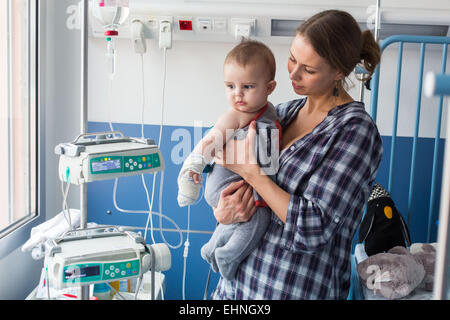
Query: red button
185, 24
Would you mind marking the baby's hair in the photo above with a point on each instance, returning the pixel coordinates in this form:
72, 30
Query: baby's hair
252, 52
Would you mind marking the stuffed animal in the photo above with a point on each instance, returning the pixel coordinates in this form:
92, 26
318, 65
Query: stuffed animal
382, 227
396, 273
426, 253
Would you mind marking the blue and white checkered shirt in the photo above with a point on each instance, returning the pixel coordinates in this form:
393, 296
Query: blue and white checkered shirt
328, 174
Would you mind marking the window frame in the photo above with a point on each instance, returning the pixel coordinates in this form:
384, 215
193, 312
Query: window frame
17, 233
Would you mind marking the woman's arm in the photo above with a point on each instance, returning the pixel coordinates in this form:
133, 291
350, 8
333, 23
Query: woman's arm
275, 197
340, 171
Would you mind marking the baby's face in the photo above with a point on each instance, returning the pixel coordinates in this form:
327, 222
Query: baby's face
247, 88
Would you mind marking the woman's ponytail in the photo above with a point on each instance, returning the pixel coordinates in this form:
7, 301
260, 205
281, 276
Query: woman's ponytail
370, 54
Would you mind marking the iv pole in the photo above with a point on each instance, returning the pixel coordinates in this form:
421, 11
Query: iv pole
84, 291
376, 35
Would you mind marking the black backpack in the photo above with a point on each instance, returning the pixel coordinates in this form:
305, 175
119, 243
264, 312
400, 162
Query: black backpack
382, 227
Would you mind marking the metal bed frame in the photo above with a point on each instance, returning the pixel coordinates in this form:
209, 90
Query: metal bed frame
441, 87
423, 41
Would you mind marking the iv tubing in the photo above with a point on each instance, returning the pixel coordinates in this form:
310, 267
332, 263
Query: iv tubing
150, 207
65, 207
186, 253
150, 203
153, 212
110, 103
143, 96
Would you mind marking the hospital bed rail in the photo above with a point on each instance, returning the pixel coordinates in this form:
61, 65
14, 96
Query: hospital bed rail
441, 81
423, 41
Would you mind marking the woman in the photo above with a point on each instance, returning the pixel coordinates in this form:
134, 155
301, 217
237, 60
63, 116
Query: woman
330, 153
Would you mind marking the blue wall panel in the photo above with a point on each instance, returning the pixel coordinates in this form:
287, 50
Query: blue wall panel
418, 217
131, 195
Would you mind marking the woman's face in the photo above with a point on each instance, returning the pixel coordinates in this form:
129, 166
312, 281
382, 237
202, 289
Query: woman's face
311, 75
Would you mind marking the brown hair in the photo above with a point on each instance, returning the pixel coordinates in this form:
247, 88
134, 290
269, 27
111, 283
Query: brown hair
251, 51
337, 37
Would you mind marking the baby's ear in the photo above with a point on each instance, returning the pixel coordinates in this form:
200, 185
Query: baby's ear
271, 86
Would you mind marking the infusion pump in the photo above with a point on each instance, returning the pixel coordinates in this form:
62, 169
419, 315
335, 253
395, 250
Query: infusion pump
107, 155
103, 254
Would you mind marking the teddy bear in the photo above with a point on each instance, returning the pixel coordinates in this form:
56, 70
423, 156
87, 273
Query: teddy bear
426, 253
397, 272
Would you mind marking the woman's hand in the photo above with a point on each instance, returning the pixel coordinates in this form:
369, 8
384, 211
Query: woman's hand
236, 203
239, 155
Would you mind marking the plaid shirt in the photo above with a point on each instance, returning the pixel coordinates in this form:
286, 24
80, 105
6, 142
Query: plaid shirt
328, 174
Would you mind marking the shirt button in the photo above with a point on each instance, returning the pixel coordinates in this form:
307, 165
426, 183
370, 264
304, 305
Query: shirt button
292, 148
336, 219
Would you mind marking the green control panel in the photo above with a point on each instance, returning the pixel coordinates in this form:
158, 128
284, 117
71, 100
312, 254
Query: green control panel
116, 164
91, 272
136, 163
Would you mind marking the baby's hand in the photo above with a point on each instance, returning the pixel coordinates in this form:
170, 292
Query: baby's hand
195, 176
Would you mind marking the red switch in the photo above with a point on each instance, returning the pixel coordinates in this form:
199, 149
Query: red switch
185, 24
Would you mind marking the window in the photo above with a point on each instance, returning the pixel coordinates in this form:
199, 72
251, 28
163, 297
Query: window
18, 111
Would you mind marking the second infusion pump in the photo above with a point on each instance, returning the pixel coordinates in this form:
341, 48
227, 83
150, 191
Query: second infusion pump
107, 155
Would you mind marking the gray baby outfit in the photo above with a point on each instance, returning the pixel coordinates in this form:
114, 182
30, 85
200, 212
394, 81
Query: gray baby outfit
230, 244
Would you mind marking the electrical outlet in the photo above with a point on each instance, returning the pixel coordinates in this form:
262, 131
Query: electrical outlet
153, 22
165, 18
219, 25
242, 21
204, 25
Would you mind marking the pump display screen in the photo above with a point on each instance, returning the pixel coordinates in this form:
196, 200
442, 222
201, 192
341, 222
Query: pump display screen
81, 272
124, 164
106, 164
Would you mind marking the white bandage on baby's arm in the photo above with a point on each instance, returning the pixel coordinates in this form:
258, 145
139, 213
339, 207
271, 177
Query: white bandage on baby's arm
188, 190
194, 162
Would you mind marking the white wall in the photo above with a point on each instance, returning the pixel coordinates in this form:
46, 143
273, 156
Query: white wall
194, 82
194, 68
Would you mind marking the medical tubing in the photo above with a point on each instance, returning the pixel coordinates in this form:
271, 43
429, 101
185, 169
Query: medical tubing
65, 207
150, 203
161, 215
150, 206
138, 286
186, 252
110, 103
111, 56
161, 183
143, 95
47, 282
146, 211
117, 292
162, 96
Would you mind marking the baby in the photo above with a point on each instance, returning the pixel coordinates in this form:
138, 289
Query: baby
249, 72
